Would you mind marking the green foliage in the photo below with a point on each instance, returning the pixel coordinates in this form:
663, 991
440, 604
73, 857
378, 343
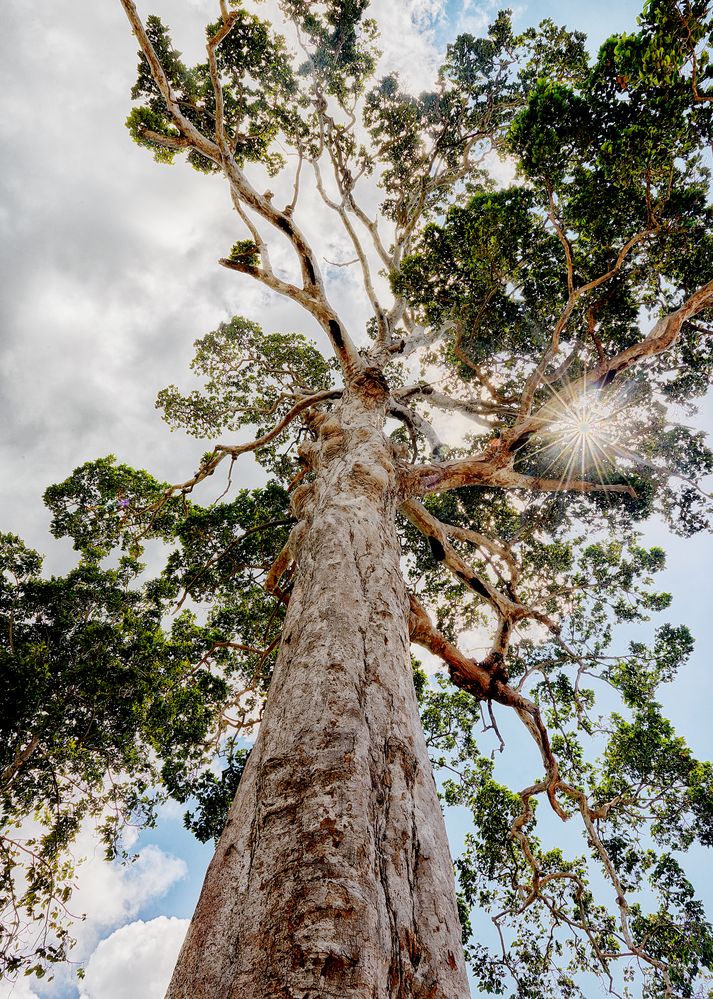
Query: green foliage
109, 706
245, 252
449, 717
143, 120
259, 89
645, 757
93, 691
612, 182
663, 797
340, 41
469, 264
251, 378
669, 930
214, 792
481, 84
420, 679
103, 506
264, 97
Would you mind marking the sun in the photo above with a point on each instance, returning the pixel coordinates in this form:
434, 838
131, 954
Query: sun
584, 431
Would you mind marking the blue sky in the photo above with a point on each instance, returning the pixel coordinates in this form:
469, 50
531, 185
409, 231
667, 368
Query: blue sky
101, 242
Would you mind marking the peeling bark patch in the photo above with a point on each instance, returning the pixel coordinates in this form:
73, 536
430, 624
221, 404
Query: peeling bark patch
437, 549
373, 382
413, 948
330, 827
336, 964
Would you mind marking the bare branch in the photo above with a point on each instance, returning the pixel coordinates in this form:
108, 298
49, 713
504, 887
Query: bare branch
21, 757
167, 141
341, 263
266, 265
277, 570
488, 470
186, 127
312, 295
467, 673
475, 538
339, 208
222, 451
417, 423
213, 43
419, 336
663, 336
552, 216
443, 551
475, 411
289, 209
487, 681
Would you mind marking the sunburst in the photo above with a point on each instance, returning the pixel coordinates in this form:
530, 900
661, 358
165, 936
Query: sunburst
584, 432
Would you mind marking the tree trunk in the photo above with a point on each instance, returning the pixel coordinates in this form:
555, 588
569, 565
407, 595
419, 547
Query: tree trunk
333, 876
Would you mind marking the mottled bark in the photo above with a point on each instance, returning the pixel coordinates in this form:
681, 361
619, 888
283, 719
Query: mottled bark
333, 876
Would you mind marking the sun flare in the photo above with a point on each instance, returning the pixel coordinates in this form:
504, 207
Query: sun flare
584, 432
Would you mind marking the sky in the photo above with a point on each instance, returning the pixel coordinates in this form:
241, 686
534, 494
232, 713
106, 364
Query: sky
109, 275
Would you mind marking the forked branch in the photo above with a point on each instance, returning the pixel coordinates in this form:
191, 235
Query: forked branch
312, 295
487, 681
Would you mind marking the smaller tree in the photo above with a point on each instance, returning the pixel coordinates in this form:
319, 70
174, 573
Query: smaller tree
101, 707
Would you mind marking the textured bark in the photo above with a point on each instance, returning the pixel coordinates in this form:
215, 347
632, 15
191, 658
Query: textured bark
333, 876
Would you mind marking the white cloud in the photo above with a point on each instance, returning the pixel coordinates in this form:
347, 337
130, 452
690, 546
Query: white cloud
473, 19
407, 40
503, 169
112, 893
17, 990
107, 895
136, 961
408, 36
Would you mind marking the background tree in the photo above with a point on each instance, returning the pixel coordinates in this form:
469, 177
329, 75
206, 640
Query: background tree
526, 306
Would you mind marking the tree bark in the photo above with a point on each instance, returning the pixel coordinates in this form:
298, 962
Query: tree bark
333, 877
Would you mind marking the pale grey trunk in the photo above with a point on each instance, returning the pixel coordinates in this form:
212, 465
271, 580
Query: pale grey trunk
333, 877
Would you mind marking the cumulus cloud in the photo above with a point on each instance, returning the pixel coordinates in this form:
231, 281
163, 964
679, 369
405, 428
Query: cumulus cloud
110, 265
414, 34
110, 259
107, 895
408, 40
109, 276
110, 894
136, 961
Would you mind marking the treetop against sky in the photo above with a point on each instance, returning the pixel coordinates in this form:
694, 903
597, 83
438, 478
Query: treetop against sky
558, 318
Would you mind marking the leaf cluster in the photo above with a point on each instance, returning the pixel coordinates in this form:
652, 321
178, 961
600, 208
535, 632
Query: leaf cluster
260, 95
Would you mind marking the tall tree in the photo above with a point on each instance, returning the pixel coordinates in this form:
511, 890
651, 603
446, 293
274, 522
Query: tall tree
560, 316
